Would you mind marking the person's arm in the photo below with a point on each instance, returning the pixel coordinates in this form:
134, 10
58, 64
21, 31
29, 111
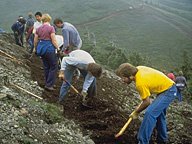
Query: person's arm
53, 40
35, 41
185, 81
13, 27
69, 61
88, 81
22, 28
66, 38
145, 103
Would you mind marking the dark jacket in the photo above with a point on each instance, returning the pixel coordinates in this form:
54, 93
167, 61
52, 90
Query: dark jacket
18, 27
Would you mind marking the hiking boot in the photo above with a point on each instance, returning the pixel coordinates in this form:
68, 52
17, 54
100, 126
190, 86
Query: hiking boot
49, 88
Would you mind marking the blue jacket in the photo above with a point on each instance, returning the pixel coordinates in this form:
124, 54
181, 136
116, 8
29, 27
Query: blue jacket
18, 27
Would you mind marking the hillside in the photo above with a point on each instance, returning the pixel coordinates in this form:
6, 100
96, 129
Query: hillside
159, 30
27, 119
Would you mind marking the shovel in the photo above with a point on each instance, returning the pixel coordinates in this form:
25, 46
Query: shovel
124, 127
71, 86
76, 91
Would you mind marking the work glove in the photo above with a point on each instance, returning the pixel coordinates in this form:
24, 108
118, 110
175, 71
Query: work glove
84, 94
134, 115
61, 75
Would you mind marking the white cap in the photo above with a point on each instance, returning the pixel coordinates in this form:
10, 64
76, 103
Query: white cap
59, 40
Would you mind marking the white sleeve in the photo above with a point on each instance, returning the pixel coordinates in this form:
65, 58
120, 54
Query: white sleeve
68, 61
88, 81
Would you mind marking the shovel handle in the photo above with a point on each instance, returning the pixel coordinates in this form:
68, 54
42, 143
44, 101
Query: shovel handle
124, 127
72, 87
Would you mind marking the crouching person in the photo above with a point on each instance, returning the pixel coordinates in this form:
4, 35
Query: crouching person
150, 81
79, 59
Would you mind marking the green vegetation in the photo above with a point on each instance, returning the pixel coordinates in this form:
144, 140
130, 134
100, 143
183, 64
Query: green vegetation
26, 140
52, 113
22, 121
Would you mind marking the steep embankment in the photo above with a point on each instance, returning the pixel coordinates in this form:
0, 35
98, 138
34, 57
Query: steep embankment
25, 119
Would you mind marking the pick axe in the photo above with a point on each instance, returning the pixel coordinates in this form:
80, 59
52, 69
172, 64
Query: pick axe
124, 128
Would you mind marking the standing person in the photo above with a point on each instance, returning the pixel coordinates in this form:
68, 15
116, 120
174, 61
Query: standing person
72, 39
28, 30
38, 23
32, 30
45, 45
180, 81
89, 69
150, 81
30, 21
18, 28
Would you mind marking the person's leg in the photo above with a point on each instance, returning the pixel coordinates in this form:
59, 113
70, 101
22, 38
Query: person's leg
21, 39
16, 36
68, 77
45, 67
161, 126
52, 62
30, 41
153, 112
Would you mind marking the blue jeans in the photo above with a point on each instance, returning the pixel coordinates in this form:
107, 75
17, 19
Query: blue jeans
50, 68
155, 115
68, 76
31, 42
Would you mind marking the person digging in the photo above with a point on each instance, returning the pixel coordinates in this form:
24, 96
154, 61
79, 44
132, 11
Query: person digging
150, 81
84, 62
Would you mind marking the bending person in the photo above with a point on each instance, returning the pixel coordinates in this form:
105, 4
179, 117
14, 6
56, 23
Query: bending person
150, 81
88, 68
72, 39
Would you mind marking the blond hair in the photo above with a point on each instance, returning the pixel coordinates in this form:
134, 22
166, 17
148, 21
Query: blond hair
126, 70
46, 18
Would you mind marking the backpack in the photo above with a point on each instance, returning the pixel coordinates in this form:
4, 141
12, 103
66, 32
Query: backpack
180, 86
180, 83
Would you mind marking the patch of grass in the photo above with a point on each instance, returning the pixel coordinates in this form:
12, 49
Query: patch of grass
26, 140
22, 121
52, 113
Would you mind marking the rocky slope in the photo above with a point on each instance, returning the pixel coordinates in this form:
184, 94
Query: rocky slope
27, 119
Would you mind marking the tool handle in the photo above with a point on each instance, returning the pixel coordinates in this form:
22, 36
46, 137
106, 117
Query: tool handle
75, 89
124, 127
72, 87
